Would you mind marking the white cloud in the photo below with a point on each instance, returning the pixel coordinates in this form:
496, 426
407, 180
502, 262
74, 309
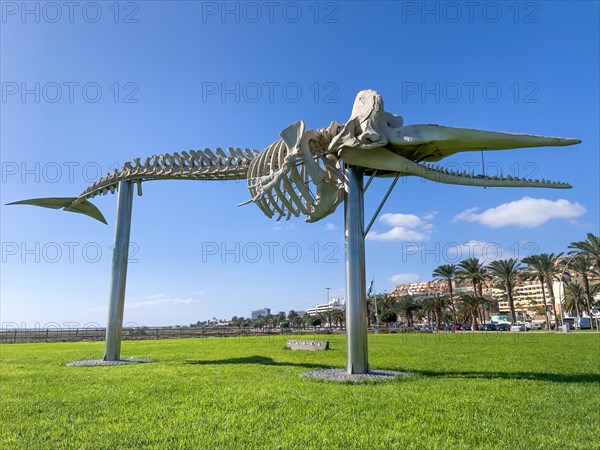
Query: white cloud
401, 220
158, 300
485, 251
279, 227
401, 278
527, 212
466, 215
154, 296
330, 227
397, 234
405, 227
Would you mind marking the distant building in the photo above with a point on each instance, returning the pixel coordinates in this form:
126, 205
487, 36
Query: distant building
527, 294
260, 312
427, 288
335, 304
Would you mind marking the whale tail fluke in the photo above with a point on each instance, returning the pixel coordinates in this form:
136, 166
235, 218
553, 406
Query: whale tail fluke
67, 204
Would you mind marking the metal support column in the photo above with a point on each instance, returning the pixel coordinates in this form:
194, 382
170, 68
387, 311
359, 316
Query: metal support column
356, 300
112, 342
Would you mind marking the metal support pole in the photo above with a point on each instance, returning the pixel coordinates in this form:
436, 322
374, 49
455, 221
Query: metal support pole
356, 301
112, 342
387, 194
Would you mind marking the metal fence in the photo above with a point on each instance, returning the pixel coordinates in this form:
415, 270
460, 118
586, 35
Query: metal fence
21, 336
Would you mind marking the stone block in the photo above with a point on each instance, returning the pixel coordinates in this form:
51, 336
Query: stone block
307, 345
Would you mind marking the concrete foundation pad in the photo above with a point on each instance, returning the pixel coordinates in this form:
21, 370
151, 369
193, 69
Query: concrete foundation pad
342, 376
100, 362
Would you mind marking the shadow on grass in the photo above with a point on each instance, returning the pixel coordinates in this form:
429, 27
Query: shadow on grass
256, 359
535, 376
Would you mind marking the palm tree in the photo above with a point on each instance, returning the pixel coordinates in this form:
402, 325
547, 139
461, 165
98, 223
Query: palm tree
292, 318
589, 247
384, 302
447, 272
469, 306
506, 271
426, 310
488, 305
280, 317
407, 305
315, 321
388, 317
575, 297
437, 304
473, 270
322, 317
338, 316
305, 319
270, 320
583, 265
544, 268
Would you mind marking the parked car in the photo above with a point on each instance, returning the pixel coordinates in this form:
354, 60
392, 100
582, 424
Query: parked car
465, 327
455, 326
535, 326
489, 327
583, 323
503, 327
518, 327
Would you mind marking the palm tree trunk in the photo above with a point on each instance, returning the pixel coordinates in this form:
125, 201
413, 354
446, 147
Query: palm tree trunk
588, 295
450, 290
545, 304
480, 293
553, 302
511, 303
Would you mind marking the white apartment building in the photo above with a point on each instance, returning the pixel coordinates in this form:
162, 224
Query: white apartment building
421, 288
335, 304
527, 296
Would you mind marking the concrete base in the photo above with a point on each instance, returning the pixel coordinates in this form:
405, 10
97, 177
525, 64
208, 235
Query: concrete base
100, 362
341, 375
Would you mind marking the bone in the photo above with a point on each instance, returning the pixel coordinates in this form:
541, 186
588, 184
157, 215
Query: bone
280, 189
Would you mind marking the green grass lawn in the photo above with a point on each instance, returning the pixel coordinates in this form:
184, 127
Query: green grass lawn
517, 391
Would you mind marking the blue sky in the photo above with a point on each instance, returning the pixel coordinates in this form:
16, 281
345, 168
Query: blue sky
88, 88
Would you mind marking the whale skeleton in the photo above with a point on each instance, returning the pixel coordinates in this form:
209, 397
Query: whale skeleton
309, 173
301, 174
